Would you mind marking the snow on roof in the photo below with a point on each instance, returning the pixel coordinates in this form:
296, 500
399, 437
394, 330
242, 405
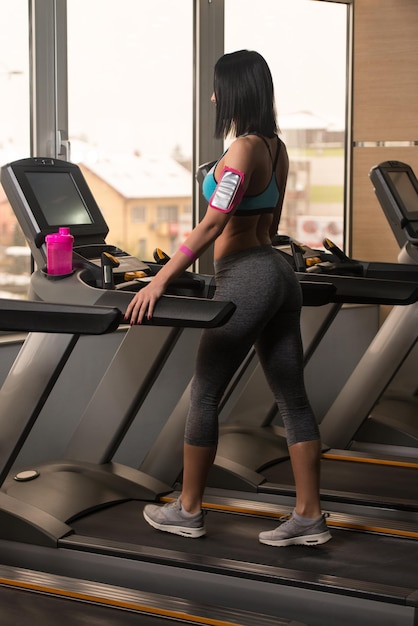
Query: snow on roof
136, 176
305, 120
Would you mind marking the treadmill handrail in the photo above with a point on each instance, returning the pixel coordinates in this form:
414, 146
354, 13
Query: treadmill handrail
33, 316
177, 311
361, 290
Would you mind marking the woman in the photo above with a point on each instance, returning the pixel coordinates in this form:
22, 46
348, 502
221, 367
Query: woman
245, 191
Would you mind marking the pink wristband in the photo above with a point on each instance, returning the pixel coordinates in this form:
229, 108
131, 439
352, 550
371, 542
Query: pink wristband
188, 253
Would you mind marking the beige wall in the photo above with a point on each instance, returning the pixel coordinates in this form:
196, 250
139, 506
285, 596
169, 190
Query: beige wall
385, 109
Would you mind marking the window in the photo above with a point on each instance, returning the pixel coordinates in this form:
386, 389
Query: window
14, 140
130, 110
305, 45
138, 214
130, 114
167, 213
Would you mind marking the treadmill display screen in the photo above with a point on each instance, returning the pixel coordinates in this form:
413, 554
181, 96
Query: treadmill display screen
407, 193
59, 198
47, 194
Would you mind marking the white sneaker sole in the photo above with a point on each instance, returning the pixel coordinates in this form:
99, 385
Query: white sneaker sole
193, 533
307, 540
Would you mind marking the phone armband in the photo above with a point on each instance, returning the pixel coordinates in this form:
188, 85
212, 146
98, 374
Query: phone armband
229, 191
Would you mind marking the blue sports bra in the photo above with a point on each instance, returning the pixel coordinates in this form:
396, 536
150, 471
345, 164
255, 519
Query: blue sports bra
264, 202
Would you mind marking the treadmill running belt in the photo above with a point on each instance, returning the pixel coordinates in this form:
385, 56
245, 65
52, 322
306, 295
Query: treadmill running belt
356, 556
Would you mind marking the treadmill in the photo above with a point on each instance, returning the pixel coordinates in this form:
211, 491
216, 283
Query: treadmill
396, 188
102, 537
45, 193
39, 506
392, 418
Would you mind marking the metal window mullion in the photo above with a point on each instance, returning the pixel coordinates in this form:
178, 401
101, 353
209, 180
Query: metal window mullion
209, 42
348, 153
48, 76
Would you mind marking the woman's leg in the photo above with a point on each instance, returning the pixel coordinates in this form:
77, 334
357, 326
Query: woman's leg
218, 357
280, 350
281, 355
197, 462
220, 353
305, 460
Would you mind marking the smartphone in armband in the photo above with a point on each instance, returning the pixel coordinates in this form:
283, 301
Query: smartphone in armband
229, 191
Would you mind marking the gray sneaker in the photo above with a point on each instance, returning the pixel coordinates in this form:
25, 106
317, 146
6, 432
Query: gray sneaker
293, 533
171, 519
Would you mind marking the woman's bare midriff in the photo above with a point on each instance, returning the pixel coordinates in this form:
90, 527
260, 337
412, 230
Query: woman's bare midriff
242, 233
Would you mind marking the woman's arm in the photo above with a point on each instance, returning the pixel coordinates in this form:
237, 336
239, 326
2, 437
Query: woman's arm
202, 236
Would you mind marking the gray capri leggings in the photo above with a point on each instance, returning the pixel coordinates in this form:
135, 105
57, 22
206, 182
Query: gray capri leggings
268, 302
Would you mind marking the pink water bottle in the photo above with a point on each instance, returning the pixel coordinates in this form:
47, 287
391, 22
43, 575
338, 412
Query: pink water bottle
59, 252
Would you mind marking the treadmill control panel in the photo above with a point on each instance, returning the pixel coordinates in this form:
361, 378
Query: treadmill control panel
396, 188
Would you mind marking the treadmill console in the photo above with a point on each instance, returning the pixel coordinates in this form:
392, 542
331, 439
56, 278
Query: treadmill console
396, 188
48, 193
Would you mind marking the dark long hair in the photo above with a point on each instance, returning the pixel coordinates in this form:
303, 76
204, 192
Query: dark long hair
244, 94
